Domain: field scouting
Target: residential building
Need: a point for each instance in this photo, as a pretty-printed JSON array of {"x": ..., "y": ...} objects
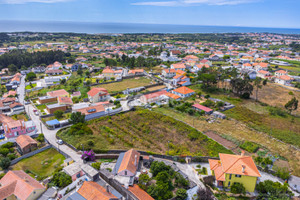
[
  {"x": 54, "y": 107},
  {"x": 200, "y": 108},
  {"x": 26, "y": 144},
  {"x": 54, "y": 72},
  {"x": 21, "y": 186},
  {"x": 74, "y": 170},
  {"x": 98, "y": 95},
  {"x": 154, "y": 97},
  {"x": 136, "y": 72},
  {"x": 181, "y": 80},
  {"x": 64, "y": 101},
  {"x": 175, "y": 52},
  {"x": 280, "y": 73},
  {"x": 183, "y": 92},
  {"x": 92, "y": 191},
  {"x": 284, "y": 80},
  {"x": 127, "y": 163},
  {"x": 232, "y": 169},
  {"x": 205, "y": 62},
  {"x": 16, "y": 80},
  {"x": 76, "y": 94},
  {"x": 10, "y": 93},
  {"x": 58, "y": 93},
  {"x": 179, "y": 66},
  {"x": 263, "y": 74},
  {"x": 139, "y": 193},
  {"x": 173, "y": 96},
  {"x": 92, "y": 112},
  {"x": 12, "y": 128},
  {"x": 169, "y": 73},
  {"x": 47, "y": 99}
]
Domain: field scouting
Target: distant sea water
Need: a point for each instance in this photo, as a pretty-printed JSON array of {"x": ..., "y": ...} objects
[{"x": 89, "y": 27}]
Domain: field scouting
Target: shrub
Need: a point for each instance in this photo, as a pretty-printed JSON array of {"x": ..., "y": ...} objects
[
  {"x": 181, "y": 194},
  {"x": 61, "y": 179},
  {"x": 90, "y": 143},
  {"x": 274, "y": 189},
  {"x": 237, "y": 188},
  {"x": 7, "y": 145},
  {"x": 283, "y": 173},
  {"x": 58, "y": 114},
  {"x": 249, "y": 146},
  {"x": 96, "y": 165},
  {"x": 4, "y": 151},
  {"x": 4, "y": 163},
  {"x": 277, "y": 111},
  {"x": 40, "y": 138},
  {"x": 204, "y": 171},
  {"x": 80, "y": 129}
]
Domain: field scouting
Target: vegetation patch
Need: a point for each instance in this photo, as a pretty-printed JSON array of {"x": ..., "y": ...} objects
[
  {"x": 144, "y": 130},
  {"x": 249, "y": 146}
]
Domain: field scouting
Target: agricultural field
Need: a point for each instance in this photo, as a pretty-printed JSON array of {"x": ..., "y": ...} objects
[
  {"x": 42, "y": 164},
  {"x": 144, "y": 130},
  {"x": 126, "y": 83}
]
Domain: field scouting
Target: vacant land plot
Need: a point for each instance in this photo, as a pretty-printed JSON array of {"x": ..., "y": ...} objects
[
  {"x": 148, "y": 131},
  {"x": 126, "y": 83},
  {"x": 275, "y": 95},
  {"x": 42, "y": 164},
  {"x": 238, "y": 131}
]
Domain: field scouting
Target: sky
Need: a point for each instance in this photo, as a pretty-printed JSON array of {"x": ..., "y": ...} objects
[{"x": 249, "y": 13}]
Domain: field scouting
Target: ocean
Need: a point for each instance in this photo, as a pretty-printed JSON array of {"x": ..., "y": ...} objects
[{"x": 89, "y": 27}]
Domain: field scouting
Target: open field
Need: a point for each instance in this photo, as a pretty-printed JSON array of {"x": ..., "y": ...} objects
[
  {"x": 148, "y": 131},
  {"x": 42, "y": 164},
  {"x": 276, "y": 95},
  {"x": 126, "y": 83},
  {"x": 238, "y": 131}
]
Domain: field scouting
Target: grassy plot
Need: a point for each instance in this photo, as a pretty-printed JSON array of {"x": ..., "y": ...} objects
[
  {"x": 42, "y": 164},
  {"x": 145, "y": 130},
  {"x": 239, "y": 131},
  {"x": 126, "y": 83},
  {"x": 28, "y": 87}
]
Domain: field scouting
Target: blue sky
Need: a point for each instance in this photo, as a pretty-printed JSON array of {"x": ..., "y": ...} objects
[{"x": 253, "y": 13}]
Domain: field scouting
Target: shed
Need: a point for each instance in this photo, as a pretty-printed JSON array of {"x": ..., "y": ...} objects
[
  {"x": 217, "y": 114},
  {"x": 53, "y": 123}
]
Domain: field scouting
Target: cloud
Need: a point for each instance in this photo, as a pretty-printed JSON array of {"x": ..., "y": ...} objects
[
  {"x": 193, "y": 2},
  {"x": 30, "y": 1}
]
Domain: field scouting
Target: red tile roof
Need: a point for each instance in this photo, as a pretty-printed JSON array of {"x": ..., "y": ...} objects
[
  {"x": 139, "y": 193},
  {"x": 65, "y": 100},
  {"x": 25, "y": 140},
  {"x": 92, "y": 109},
  {"x": 57, "y": 93},
  {"x": 95, "y": 91},
  {"x": 155, "y": 94},
  {"x": 184, "y": 90},
  {"x": 128, "y": 162},
  {"x": 18, "y": 183},
  {"x": 93, "y": 191},
  {"x": 206, "y": 109}
]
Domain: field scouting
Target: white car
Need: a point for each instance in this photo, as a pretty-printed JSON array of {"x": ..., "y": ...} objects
[{"x": 60, "y": 142}]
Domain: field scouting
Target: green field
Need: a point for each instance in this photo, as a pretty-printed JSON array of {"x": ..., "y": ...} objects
[
  {"x": 145, "y": 130},
  {"x": 28, "y": 87},
  {"x": 42, "y": 164},
  {"x": 126, "y": 83}
]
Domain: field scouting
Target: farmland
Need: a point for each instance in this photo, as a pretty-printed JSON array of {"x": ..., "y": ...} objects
[{"x": 145, "y": 130}]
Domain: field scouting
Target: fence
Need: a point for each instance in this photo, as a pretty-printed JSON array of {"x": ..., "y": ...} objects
[{"x": 30, "y": 154}]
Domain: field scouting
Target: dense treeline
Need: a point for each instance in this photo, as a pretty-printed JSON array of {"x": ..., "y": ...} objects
[
  {"x": 295, "y": 47},
  {"x": 21, "y": 58},
  {"x": 133, "y": 62}
]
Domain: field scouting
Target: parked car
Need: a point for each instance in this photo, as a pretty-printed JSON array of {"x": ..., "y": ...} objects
[
  {"x": 60, "y": 142},
  {"x": 36, "y": 112}
]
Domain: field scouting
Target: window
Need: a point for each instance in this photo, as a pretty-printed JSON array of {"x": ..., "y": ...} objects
[
  {"x": 125, "y": 173},
  {"x": 229, "y": 184},
  {"x": 229, "y": 176},
  {"x": 238, "y": 176},
  {"x": 78, "y": 175}
]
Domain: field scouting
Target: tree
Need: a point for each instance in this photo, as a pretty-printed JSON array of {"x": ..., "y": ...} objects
[
  {"x": 63, "y": 81},
  {"x": 4, "y": 163},
  {"x": 61, "y": 179},
  {"x": 12, "y": 68},
  {"x": 4, "y": 151},
  {"x": 241, "y": 87},
  {"x": 58, "y": 114},
  {"x": 273, "y": 190},
  {"x": 40, "y": 138},
  {"x": 77, "y": 117},
  {"x": 30, "y": 76},
  {"x": 143, "y": 181},
  {"x": 291, "y": 105},
  {"x": 258, "y": 83},
  {"x": 181, "y": 194}
]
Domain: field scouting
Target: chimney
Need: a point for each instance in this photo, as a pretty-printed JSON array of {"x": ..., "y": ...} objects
[
  {"x": 135, "y": 160},
  {"x": 107, "y": 188},
  {"x": 243, "y": 168},
  {"x": 243, "y": 153}
]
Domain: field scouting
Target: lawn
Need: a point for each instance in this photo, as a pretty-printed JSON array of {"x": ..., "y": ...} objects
[
  {"x": 126, "y": 83},
  {"x": 145, "y": 130},
  {"x": 28, "y": 87},
  {"x": 65, "y": 116},
  {"x": 42, "y": 164}
]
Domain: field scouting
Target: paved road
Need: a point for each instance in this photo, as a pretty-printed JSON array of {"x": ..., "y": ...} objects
[{"x": 49, "y": 134}]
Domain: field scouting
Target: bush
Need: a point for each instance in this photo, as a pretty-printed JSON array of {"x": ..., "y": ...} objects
[
  {"x": 61, "y": 179},
  {"x": 90, "y": 143},
  {"x": 96, "y": 165},
  {"x": 238, "y": 188},
  {"x": 249, "y": 146},
  {"x": 272, "y": 189},
  {"x": 7, "y": 145},
  {"x": 80, "y": 129},
  {"x": 58, "y": 114},
  {"x": 40, "y": 138},
  {"x": 4, "y": 151},
  {"x": 4, "y": 163},
  {"x": 181, "y": 194},
  {"x": 283, "y": 173},
  {"x": 277, "y": 111}
]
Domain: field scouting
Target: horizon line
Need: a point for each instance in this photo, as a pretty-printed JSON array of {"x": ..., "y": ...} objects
[{"x": 94, "y": 22}]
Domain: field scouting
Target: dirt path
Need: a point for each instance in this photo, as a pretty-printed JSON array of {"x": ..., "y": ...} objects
[{"x": 226, "y": 143}]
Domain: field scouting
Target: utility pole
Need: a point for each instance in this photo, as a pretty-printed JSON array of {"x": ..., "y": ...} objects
[{"x": 41, "y": 127}]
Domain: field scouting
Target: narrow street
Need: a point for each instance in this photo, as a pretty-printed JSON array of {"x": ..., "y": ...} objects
[{"x": 41, "y": 128}]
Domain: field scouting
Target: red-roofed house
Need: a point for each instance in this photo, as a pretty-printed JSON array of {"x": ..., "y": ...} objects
[
  {"x": 128, "y": 163},
  {"x": 183, "y": 92},
  {"x": 232, "y": 169},
  {"x": 64, "y": 101},
  {"x": 25, "y": 144},
  {"x": 284, "y": 80},
  {"x": 154, "y": 97},
  {"x": 263, "y": 74},
  {"x": 93, "y": 191},
  {"x": 19, "y": 185},
  {"x": 199, "y": 107},
  {"x": 98, "y": 95},
  {"x": 139, "y": 193},
  {"x": 181, "y": 80},
  {"x": 92, "y": 112},
  {"x": 58, "y": 93},
  {"x": 281, "y": 73},
  {"x": 207, "y": 62},
  {"x": 179, "y": 66},
  {"x": 169, "y": 73}
]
